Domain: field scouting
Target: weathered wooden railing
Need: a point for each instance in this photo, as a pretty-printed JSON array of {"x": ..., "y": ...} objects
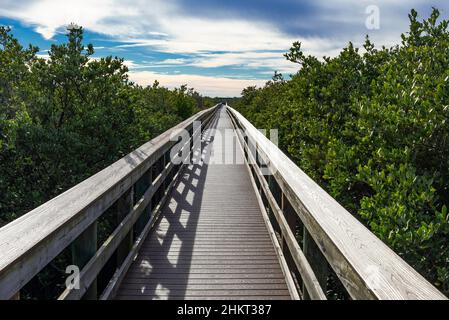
[
  {"x": 134, "y": 188},
  {"x": 316, "y": 232}
]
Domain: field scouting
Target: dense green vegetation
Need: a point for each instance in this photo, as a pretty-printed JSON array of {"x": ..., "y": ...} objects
[
  {"x": 64, "y": 118},
  {"x": 371, "y": 127}
]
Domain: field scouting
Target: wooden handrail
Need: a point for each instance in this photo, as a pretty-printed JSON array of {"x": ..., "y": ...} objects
[
  {"x": 366, "y": 266},
  {"x": 30, "y": 242}
]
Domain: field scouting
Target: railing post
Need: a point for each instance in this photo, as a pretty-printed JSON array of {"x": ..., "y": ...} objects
[
  {"x": 192, "y": 145},
  {"x": 164, "y": 164},
  {"x": 123, "y": 207},
  {"x": 290, "y": 216},
  {"x": 146, "y": 214},
  {"x": 246, "y": 147},
  {"x": 257, "y": 156},
  {"x": 257, "y": 166},
  {"x": 83, "y": 249},
  {"x": 316, "y": 260}
]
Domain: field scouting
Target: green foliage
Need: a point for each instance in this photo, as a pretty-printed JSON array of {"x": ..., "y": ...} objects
[
  {"x": 64, "y": 118},
  {"x": 372, "y": 129}
]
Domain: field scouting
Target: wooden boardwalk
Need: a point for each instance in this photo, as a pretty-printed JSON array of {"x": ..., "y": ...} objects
[{"x": 211, "y": 241}]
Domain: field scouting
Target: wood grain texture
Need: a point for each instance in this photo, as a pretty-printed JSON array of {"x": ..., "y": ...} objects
[
  {"x": 211, "y": 241},
  {"x": 365, "y": 265}
]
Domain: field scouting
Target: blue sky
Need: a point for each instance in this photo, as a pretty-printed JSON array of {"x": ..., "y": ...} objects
[{"x": 217, "y": 47}]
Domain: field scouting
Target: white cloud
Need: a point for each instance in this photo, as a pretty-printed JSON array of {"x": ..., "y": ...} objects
[
  {"x": 273, "y": 60},
  {"x": 43, "y": 56},
  {"x": 162, "y": 26},
  {"x": 130, "y": 64},
  {"x": 178, "y": 61},
  {"x": 110, "y": 17},
  {"x": 193, "y": 35},
  {"x": 206, "y": 85}
]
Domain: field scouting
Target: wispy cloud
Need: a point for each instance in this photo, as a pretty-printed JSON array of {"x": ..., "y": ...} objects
[
  {"x": 173, "y": 61},
  {"x": 109, "y": 17},
  {"x": 246, "y": 38}
]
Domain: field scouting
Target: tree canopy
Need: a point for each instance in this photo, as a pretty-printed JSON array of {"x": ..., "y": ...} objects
[
  {"x": 371, "y": 127},
  {"x": 65, "y": 117}
]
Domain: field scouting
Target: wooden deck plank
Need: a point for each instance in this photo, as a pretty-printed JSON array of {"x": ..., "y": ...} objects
[
  {"x": 211, "y": 241},
  {"x": 211, "y": 281},
  {"x": 182, "y": 277},
  {"x": 213, "y": 286},
  {"x": 201, "y": 297},
  {"x": 204, "y": 293}
]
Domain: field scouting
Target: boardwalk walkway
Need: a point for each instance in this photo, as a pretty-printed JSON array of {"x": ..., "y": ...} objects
[{"x": 211, "y": 241}]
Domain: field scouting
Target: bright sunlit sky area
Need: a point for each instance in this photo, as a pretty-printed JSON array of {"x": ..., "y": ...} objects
[{"x": 217, "y": 47}]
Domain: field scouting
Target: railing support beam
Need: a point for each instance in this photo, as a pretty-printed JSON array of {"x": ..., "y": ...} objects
[
  {"x": 124, "y": 207},
  {"x": 316, "y": 259},
  {"x": 84, "y": 248},
  {"x": 146, "y": 214}
]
